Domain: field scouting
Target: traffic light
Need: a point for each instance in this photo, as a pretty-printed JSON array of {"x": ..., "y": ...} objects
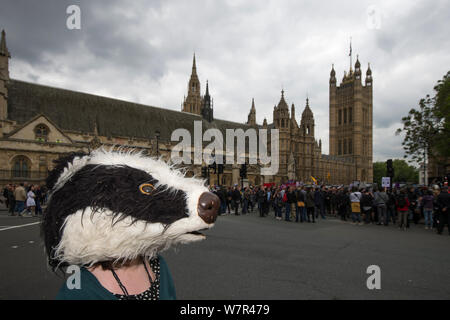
[
  {"x": 243, "y": 171},
  {"x": 213, "y": 166},
  {"x": 389, "y": 168},
  {"x": 204, "y": 172}
]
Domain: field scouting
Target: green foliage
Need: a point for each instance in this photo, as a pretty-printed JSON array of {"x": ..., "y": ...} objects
[
  {"x": 403, "y": 172},
  {"x": 379, "y": 171},
  {"x": 427, "y": 129},
  {"x": 442, "y": 113}
]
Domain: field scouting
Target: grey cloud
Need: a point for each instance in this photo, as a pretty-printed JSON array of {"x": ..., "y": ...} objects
[{"x": 142, "y": 51}]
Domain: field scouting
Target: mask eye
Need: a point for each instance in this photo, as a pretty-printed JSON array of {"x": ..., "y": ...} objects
[{"x": 146, "y": 188}]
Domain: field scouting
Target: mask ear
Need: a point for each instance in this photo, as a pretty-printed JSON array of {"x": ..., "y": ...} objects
[{"x": 60, "y": 164}]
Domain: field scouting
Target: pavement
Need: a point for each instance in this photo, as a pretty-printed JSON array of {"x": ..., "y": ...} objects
[{"x": 248, "y": 257}]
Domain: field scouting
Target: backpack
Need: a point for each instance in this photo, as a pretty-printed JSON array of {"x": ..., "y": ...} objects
[
  {"x": 401, "y": 201},
  {"x": 285, "y": 197}
]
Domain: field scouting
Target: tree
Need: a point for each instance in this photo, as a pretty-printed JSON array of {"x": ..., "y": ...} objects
[
  {"x": 420, "y": 129},
  {"x": 427, "y": 129},
  {"x": 403, "y": 172},
  {"x": 442, "y": 113},
  {"x": 379, "y": 171}
]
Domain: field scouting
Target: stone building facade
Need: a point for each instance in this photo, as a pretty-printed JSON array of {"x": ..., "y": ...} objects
[{"x": 40, "y": 123}]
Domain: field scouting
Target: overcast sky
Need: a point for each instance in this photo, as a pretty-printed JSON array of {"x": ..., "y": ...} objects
[{"x": 141, "y": 51}]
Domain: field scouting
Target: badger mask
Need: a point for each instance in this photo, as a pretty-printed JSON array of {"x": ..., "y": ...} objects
[{"x": 117, "y": 206}]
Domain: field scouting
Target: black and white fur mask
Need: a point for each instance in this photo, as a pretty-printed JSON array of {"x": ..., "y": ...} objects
[{"x": 117, "y": 206}]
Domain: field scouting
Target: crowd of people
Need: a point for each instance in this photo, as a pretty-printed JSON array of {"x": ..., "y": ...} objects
[
  {"x": 381, "y": 206},
  {"x": 24, "y": 200},
  {"x": 399, "y": 206}
]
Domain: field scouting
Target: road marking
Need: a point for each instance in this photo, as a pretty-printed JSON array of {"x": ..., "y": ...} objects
[{"x": 22, "y": 225}]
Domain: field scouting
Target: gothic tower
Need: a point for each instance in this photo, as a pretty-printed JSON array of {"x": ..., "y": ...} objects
[
  {"x": 193, "y": 102},
  {"x": 207, "y": 108},
  {"x": 308, "y": 143},
  {"x": 4, "y": 77},
  {"x": 282, "y": 121},
  {"x": 351, "y": 110},
  {"x": 251, "y": 120}
]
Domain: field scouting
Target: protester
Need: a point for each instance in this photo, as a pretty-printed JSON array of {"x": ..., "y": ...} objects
[
  {"x": 292, "y": 202},
  {"x": 366, "y": 205},
  {"x": 402, "y": 204},
  {"x": 355, "y": 200},
  {"x": 11, "y": 200},
  {"x": 310, "y": 205},
  {"x": 20, "y": 197},
  {"x": 381, "y": 200},
  {"x": 300, "y": 195},
  {"x": 427, "y": 204},
  {"x": 443, "y": 202},
  {"x": 319, "y": 202},
  {"x": 236, "y": 196},
  {"x": 31, "y": 203}
]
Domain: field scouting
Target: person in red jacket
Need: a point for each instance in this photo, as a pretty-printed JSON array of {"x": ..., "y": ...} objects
[{"x": 402, "y": 204}]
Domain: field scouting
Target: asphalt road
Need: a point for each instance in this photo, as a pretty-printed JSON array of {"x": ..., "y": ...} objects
[{"x": 248, "y": 257}]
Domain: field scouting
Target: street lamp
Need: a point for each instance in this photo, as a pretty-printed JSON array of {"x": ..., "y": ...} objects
[{"x": 157, "y": 135}]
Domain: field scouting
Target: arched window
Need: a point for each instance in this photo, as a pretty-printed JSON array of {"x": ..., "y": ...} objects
[
  {"x": 21, "y": 167},
  {"x": 41, "y": 132}
]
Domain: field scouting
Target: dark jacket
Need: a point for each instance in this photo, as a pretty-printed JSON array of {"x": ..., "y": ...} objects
[
  {"x": 236, "y": 195},
  {"x": 291, "y": 197},
  {"x": 319, "y": 198}
]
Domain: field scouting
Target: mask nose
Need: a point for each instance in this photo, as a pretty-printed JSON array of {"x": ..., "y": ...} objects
[{"x": 208, "y": 207}]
